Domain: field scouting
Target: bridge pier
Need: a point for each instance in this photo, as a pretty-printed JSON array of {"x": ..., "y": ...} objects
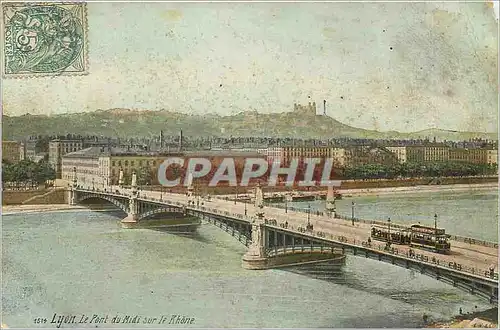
[
  {"x": 255, "y": 258},
  {"x": 71, "y": 196},
  {"x": 132, "y": 219}
]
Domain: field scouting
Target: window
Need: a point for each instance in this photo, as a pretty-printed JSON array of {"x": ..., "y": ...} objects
[
  {"x": 140, "y": 163},
  {"x": 113, "y": 162},
  {"x": 132, "y": 163},
  {"x": 126, "y": 163},
  {"x": 119, "y": 163}
]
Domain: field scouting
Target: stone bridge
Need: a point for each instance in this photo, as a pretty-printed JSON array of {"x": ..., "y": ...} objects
[{"x": 277, "y": 243}]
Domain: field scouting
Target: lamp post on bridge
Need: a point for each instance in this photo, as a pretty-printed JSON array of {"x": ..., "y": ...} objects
[
  {"x": 75, "y": 181},
  {"x": 286, "y": 204},
  {"x": 435, "y": 230},
  {"x": 93, "y": 183},
  {"x": 245, "y": 207},
  {"x": 389, "y": 231},
  {"x": 352, "y": 213},
  {"x": 308, "y": 215}
]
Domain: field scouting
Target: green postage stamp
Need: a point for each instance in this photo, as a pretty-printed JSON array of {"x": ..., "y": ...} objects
[{"x": 44, "y": 39}]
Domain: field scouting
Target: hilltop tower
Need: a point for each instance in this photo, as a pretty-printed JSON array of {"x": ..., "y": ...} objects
[{"x": 308, "y": 110}]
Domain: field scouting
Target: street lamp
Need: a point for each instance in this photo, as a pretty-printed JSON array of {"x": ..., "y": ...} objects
[
  {"x": 93, "y": 182},
  {"x": 245, "y": 207},
  {"x": 435, "y": 230},
  {"x": 389, "y": 227},
  {"x": 352, "y": 213},
  {"x": 236, "y": 194},
  {"x": 286, "y": 204},
  {"x": 308, "y": 214}
]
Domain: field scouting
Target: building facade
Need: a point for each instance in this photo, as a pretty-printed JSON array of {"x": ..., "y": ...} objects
[
  {"x": 399, "y": 152},
  {"x": 28, "y": 150},
  {"x": 11, "y": 151},
  {"x": 59, "y": 148},
  {"x": 475, "y": 156},
  {"x": 428, "y": 153},
  {"x": 362, "y": 155},
  {"x": 492, "y": 156}
]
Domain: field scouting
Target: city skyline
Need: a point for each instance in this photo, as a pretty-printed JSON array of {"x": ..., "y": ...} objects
[{"x": 409, "y": 74}]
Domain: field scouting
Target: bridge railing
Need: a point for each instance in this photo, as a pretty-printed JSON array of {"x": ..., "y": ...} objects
[
  {"x": 271, "y": 252},
  {"x": 359, "y": 243},
  {"x": 470, "y": 240},
  {"x": 381, "y": 248}
]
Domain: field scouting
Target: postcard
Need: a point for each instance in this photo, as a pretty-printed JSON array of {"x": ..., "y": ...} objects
[{"x": 249, "y": 164}]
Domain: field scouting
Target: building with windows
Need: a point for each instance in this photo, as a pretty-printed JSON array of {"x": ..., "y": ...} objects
[
  {"x": 399, "y": 152},
  {"x": 476, "y": 156},
  {"x": 323, "y": 152},
  {"x": 100, "y": 166},
  {"x": 434, "y": 152},
  {"x": 86, "y": 162},
  {"x": 145, "y": 164},
  {"x": 59, "y": 148},
  {"x": 361, "y": 155},
  {"x": 27, "y": 150},
  {"x": 492, "y": 156},
  {"x": 11, "y": 151},
  {"x": 216, "y": 158}
]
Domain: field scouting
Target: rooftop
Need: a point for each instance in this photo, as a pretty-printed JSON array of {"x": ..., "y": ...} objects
[{"x": 222, "y": 153}]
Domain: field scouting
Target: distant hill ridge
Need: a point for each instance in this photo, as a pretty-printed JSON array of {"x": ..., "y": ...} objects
[{"x": 134, "y": 123}]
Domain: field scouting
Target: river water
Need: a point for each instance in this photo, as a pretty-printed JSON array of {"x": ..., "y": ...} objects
[{"x": 82, "y": 262}]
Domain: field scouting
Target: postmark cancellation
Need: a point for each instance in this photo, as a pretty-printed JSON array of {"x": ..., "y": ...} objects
[{"x": 44, "y": 39}]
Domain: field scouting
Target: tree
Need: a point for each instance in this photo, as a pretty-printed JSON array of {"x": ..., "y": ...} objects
[
  {"x": 42, "y": 144},
  {"x": 144, "y": 176}
]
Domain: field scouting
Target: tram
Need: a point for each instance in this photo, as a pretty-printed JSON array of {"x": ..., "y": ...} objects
[
  {"x": 416, "y": 236},
  {"x": 397, "y": 235},
  {"x": 429, "y": 238}
]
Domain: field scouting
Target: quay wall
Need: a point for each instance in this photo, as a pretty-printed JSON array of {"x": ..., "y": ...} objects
[
  {"x": 346, "y": 185},
  {"x": 31, "y": 197}
]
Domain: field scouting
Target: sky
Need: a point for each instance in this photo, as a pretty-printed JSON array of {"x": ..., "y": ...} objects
[{"x": 383, "y": 66}]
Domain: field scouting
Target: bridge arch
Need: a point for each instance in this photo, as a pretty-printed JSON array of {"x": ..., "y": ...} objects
[
  {"x": 158, "y": 211},
  {"x": 237, "y": 228},
  {"x": 121, "y": 205}
]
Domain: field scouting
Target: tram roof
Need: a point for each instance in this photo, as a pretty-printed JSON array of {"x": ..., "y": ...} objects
[
  {"x": 395, "y": 228},
  {"x": 425, "y": 227}
]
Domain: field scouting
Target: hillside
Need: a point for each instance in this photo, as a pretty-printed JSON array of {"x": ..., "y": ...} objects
[{"x": 132, "y": 123}]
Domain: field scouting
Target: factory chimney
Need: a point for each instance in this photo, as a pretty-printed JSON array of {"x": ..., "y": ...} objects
[
  {"x": 180, "y": 141},
  {"x": 324, "y": 107}
]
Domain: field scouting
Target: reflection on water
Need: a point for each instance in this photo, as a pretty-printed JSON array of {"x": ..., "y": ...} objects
[{"x": 83, "y": 262}]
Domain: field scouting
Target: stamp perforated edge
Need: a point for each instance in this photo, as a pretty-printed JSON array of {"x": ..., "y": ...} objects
[{"x": 47, "y": 75}]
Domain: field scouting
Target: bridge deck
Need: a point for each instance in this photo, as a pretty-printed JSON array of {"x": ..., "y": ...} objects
[{"x": 471, "y": 257}]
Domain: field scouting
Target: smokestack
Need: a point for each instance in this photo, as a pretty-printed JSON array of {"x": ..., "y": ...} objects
[
  {"x": 180, "y": 141},
  {"x": 324, "y": 107}
]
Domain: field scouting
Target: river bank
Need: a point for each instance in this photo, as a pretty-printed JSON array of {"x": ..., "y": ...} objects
[
  {"x": 19, "y": 209},
  {"x": 419, "y": 189},
  {"x": 483, "y": 319}
]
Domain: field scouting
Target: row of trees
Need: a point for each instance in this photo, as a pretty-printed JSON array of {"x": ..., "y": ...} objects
[
  {"x": 26, "y": 173},
  {"x": 413, "y": 170},
  {"x": 367, "y": 171}
]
